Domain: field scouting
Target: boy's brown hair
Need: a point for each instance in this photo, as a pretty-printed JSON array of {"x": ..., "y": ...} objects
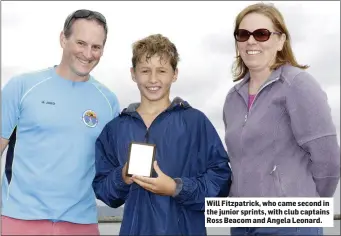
[{"x": 155, "y": 44}]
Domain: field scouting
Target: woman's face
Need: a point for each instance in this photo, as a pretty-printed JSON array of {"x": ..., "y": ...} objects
[{"x": 259, "y": 56}]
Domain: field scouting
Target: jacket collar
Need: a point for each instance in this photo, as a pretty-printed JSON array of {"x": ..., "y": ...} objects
[
  {"x": 177, "y": 103},
  {"x": 243, "y": 89},
  {"x": 273, "y": 76}
]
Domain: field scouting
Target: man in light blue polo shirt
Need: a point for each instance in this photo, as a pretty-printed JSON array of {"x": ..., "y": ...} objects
[{"x": 50, "y": 121}]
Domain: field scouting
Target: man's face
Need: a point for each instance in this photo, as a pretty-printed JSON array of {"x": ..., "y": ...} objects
[
  {"x": 154, "y": 78},
  {"x": 84, "y": 48}
]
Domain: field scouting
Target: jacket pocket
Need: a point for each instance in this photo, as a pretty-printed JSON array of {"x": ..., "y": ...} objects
[
  {"x": 277, "y": 181},
  {"x": 179, "y": 221},
  {"x": 133, "y": 187},
  {"x": 179, "y": 228}
]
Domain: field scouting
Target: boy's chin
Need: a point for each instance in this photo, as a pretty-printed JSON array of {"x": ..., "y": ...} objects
[{"x": 155, "y": 98}]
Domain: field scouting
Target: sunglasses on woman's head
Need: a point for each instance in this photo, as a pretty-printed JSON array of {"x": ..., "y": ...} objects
[{"x": 260, "y": 35}]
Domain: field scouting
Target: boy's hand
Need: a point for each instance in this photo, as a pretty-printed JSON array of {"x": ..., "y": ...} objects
[
  {"x": 126, "y": 179},
  {"x": 162, "y": 185}
]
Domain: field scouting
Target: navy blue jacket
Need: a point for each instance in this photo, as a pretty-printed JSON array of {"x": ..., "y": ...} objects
[{"x": 187, "y": 147}]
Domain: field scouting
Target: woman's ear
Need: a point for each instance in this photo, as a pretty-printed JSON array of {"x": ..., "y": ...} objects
[{"x": 282, "y": 40}]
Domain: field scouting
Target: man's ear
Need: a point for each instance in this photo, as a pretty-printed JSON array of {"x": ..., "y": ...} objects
[
  {"x": 132, "y": 72},
  {"x": 175, "y": 77},
  {"x": 62, "y": 39}
]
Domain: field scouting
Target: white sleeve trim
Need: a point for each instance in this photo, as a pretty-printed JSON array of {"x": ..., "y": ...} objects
[
  {"x": 28, "y": 91},
  {"x": 105, "y": 97}
]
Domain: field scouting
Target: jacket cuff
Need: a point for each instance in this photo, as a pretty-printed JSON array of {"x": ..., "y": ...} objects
[
  {"x": 184, "y": 189},
  {"x": 117, "y": 177},
  {"x": 178, "y": 187},
  {"x": 326, "y": 187}
]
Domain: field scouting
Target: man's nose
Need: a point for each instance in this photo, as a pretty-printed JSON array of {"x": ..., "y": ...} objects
[{"x": 88, "y": 53}]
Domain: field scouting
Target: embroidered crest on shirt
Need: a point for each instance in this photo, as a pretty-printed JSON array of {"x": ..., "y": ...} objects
[{"x": 90, "y": 118}]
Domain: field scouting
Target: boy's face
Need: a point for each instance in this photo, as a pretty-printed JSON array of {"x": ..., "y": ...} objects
[{"x": 154, "y": 78}]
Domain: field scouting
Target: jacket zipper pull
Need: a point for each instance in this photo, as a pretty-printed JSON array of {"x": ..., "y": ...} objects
[
  {"x": 245, "y": 119},
  {"x": 273, "y": 170},
  {"x": 146, "y": 136}
]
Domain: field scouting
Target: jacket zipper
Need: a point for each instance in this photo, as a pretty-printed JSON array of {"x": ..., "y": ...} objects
[
  {"x": 245, "y": 119},
  {"x": 146, "y": 136},
  {"x": 248, "y": 113}
]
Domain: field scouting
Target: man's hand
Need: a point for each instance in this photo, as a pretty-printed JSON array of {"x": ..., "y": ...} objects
[
  {"x": 126, "y": 179},
  {"x": 162, "y": 185}
]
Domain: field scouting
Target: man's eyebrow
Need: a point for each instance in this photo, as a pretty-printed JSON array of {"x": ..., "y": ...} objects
[
  {"x": 82, "y": 41},
  {"x": 97, "y": 45}
]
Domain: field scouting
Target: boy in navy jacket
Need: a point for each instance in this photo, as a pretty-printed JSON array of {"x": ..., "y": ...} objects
[{"x": 190, "y": 161}]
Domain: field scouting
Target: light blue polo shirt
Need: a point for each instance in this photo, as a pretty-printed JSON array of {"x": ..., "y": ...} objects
[{"x": 50, "y": 159}]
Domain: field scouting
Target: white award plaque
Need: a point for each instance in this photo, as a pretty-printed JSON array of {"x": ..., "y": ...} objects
[{"x": 140, "y": 159}]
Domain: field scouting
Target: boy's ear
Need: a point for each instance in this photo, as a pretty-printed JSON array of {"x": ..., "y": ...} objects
[
  {"x": 175, "y": 77},
  {"x": 132, "y": 72}
]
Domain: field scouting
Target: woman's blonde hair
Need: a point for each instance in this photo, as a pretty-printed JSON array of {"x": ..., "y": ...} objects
[{"x": 284, "y": 56}]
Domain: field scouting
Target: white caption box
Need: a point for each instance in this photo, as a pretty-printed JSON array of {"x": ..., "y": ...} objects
[{"x": 269, "y": 212}]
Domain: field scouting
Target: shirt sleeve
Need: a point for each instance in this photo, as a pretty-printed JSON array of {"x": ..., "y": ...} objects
[
  {"x": 315, "y": 132},
  {"x": 215, "y": 181},
  {"x": 11, "y": 95},
  {"x": 115, "y": 106},
  {"x": 309, "y": 110},
  {"x": 108, "y": 183}
]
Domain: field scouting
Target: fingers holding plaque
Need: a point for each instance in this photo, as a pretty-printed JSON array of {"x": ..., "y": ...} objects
[{"x": 140, "y": 159}]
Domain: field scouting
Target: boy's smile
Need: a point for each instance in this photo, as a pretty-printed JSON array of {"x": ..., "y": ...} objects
[{"x": 154, "y": 78}]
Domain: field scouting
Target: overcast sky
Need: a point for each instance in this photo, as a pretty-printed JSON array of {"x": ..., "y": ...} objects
[{"x": 202, "y": 32}]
